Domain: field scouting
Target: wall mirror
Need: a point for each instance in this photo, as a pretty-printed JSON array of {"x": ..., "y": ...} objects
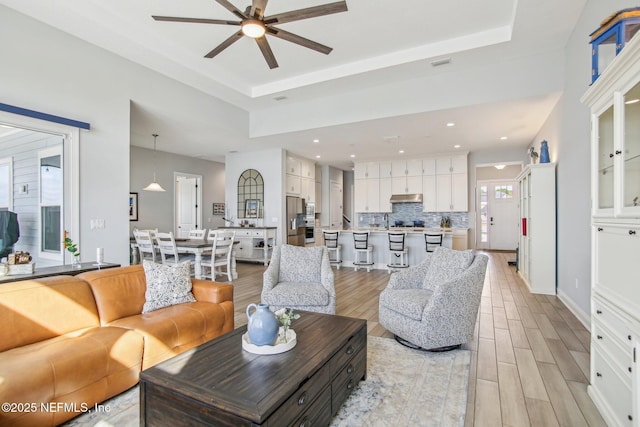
[{"x": 250, "y": 194}]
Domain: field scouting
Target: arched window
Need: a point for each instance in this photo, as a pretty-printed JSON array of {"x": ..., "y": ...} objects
[{"x": 250, "y": 194}]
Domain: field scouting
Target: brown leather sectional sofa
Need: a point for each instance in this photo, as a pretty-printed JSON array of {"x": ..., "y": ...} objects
[{"x": 67, "y": 343}]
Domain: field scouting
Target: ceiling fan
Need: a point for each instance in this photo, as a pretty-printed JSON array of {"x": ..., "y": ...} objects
[{"x": 254, "y": 24}]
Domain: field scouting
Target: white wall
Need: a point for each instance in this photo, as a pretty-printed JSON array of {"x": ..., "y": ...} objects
[
  {"x": 156, "y": 209},
  {"x": 567, "y": 131},
  {"x": 49, "y": 71},
  {"x": 271, "y": 165}
]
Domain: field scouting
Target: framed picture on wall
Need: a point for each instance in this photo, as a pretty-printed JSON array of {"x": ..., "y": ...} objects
[
  {"x": 218, "y": 208},
  {"x": 133, "y": 206},
  {"x": 251, "y": 207}
]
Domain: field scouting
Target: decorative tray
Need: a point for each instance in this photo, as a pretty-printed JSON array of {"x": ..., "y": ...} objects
[{"x": 280, "y": 347}]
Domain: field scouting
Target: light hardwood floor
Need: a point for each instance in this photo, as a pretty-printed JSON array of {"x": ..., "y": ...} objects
[{"x": 530, "y": 355}]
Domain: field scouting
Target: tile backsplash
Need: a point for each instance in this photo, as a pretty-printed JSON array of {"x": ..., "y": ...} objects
[{"x": 409, "y": 212}]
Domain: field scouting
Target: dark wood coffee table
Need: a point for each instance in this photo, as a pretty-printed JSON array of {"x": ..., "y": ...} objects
[{"x": 218, "y": 383}]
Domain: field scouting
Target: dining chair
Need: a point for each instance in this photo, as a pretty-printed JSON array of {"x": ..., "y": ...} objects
[
  {"x": 221, "y": 248},
  {"x": 144, "y": 242},
  {"x": 198, "y": 234},
  {"x": 168, "y": 250}
]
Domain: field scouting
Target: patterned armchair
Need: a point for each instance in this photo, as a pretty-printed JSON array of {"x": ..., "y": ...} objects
[
  {"x": 434, "y": 305},
  {"x": 300, "y": 278}
]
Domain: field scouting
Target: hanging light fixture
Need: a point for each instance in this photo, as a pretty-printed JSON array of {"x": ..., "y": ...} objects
[{"x": 154, "y": 186}]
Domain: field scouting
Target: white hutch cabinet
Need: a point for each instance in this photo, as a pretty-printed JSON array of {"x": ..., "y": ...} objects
[
  {"x": 615, "y": 282},
  {"x": 537, "y": 241}
]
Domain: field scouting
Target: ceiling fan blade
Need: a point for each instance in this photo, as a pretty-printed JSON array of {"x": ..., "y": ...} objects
[
  {"x": 258, "y": 7},
  {"x": 231, "y": 8},
  {"x": 225, "y": 44},
  {"x": 293, "y": 38},
  {"x": 263, "y": 44},
  {"x": 309, "y": 12},
  {"x": 195, "y": 20}
]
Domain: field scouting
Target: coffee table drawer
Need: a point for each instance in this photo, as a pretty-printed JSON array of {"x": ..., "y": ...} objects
[
  {"x": 356, "y": 343},
  {"x": 302, "y": 399},
  {"x": 318, "y": 414},
  {"x": 344, "y": 383}
]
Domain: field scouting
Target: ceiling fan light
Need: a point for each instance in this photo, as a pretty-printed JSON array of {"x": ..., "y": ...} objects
[{"x": 253, "y": 28}]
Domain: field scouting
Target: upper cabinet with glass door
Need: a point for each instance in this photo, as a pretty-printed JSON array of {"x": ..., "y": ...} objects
[{"x": 614, "y": 100}]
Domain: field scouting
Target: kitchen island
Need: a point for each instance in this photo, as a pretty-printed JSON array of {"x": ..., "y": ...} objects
[{"x": 378, "y": 238}]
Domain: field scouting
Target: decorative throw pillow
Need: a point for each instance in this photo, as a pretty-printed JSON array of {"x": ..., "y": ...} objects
[
  {"x": 300, "y": 264},
  {"x": 446, "y": 264},
  {"x": 166, "y": 285}
]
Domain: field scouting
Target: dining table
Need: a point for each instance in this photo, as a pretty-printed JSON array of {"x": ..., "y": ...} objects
[{"x": 197, "y": 247}]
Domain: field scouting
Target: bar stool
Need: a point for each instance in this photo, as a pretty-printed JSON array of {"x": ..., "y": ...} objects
[
  {"x": 333, "y": 247},
  {"x": 361, "y": 246},
  {"x": 431, "y": 241},
  {"x": 398, "y": 251}
]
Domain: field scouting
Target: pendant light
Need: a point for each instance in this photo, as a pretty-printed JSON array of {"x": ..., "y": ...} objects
[{"x": 154, "y": 186}]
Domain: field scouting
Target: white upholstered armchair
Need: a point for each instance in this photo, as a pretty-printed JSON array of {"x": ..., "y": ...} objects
[
  {"x": 434, "y": 305},
  {"x": 300, "y": 278}
]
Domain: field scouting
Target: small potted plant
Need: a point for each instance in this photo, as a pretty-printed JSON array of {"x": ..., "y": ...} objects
[
  {"x": 72, "y": 247},
  {"x": 286, "y": 316}
]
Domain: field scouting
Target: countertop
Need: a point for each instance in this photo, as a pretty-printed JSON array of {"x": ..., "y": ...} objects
[
  {"x": 409, "y": 230},
  {"x": 237, "y": 227}
]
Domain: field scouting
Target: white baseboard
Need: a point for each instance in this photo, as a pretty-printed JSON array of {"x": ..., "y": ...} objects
[{"x": 584, "y": 318}]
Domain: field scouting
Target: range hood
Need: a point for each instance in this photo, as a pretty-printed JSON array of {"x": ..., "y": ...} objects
[{"x": 406, "y": 198}]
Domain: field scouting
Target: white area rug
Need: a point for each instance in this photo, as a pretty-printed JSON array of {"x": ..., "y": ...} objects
[{"x": 404, "y": 387}]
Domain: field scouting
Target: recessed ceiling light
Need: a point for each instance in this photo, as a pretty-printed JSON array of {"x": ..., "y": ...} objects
[
  {"x": 503, "y": 138},
  {"x": 401, "y": 151},
  {"x": 316, "y": 141},
  {"x": 632, "y": 101},
  {"x": 318, "y": 156},
  {"x": 450, "y": 124},
  {"x": 456, "y": 146},
  {"x": 352, "y": 156}
]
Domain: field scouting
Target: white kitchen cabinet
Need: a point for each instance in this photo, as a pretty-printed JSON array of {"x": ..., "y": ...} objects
[
  {"x": 429, "y": 166},
  {"x": 615, "y": 238},
  {"x": 451, "y": 183},
  {"x": 294, "y": 185},
  {"x": 406, "y": 185},
  {"x": 537, "y": 245},
  {"x": 401, "y": 168},
  {"x": 429, "y": 191},
  {"x": 308, "y": 189},
  {"x": 367, "y": 195},
  {"x": 307, "y": 169},
  {"x": 294, "y": 166},
  {"x": 366, "y": 170},
  {"x": 385, "y": 170},
  {"x": 385, "y": 193},
  {"x": 451, "y": 164}
]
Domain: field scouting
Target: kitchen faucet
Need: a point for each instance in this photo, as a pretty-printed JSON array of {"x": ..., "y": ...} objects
[{"x": 386, "y": 219}]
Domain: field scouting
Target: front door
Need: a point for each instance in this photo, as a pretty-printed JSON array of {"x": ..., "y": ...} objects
[
  {"x": 188, "y": 195},
  {"x": 498, "y": 215}
]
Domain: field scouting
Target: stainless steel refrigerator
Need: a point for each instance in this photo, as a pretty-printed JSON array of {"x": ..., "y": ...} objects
[{"x": 295, "y": 221}]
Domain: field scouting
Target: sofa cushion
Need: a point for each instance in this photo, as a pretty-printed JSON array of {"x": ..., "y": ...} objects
[
  {"x": 167, "y": 285},
  {"x": 300, "y": 264},
  {"x": 302, "y": 293},
  {"x": 408, "y": 302},
  {"x": 83, "y": 367},
  {"x": 35, "y": 310},
  {"x": 446, "y": 264},
  {"x": 119, "y": 292},
  {"x": 172, "y": 330}
]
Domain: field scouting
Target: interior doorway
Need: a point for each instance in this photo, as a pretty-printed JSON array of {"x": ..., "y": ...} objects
[
  {"x": 497, "y": 219},
  {"x": 188, "y": 203}
]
